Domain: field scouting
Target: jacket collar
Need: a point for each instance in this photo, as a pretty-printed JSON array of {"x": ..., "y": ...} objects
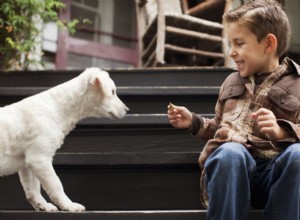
[{"x": 294, "y": 65}]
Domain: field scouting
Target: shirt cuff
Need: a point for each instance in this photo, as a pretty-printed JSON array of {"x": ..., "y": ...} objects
[
  {"x": 197, "y": 123},
  {"x": 287, "y": 126}
]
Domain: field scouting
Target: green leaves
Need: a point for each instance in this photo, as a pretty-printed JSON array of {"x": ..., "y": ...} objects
[{"x": 18, "y": 28}]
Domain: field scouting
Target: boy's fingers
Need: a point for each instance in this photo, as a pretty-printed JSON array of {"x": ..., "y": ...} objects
[
  {"x": 261, "y": 111},
  {"x": 253, "y": 115},
  {"x": 173, "y": 112},
  {"x": 171, "y": 106}
]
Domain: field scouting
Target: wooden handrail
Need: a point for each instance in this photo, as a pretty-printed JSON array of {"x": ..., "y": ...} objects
[
  {"x": 194, "y": 34},
  {"x": 194, "y": 51}
]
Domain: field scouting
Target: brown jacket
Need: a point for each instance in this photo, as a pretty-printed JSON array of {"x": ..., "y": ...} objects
[{"x": 278, "y": 91}]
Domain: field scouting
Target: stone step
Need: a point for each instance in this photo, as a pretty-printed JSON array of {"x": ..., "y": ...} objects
[{"x": 114, "y": 215}]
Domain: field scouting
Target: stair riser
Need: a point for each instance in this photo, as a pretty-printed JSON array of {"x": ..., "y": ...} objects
[
  {"x": 151, "y": 104},
  {"x": 117, "y": 189},
  {"x": 130, "y": 77}
]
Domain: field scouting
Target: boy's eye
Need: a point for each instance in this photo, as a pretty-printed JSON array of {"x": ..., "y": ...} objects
[
  {"x": 236, "y": 44},
  {"x": 239, "y": 43}
]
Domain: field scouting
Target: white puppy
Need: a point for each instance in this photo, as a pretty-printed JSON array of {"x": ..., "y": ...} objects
[{"x": 34, "y": 128}]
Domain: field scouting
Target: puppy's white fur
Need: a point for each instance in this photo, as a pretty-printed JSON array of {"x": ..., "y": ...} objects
[{"x": 34, "y": 128}]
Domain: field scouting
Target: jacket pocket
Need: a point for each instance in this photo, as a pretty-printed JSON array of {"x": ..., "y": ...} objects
[
  {"x": 285, "y": 105},
  {"x": 230, "y": 100},
  {"x": 231, "y": 92}
]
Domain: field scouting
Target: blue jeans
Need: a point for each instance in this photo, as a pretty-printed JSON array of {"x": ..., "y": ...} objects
[{"x": 235, "y": 181}]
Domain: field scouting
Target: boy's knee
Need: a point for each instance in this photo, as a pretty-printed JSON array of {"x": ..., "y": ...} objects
[
  {"x": 291, "y": 157},
  {"x": 231, "y": 150},
  {"x": 228, "y": 154}
]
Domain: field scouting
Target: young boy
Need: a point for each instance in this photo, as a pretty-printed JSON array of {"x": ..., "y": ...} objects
[{"x": 252, "y": 155}]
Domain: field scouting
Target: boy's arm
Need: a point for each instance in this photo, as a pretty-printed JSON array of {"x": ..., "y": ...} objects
[
  {"x": 206, "y": 127},
  {"x": 275, "y": 129}
]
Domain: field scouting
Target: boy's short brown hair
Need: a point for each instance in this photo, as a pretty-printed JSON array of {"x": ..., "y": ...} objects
[{"x": 262, "y": 18}]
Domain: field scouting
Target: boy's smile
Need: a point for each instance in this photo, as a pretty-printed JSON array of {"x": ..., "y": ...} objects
[{"x": 249, "y": 55}]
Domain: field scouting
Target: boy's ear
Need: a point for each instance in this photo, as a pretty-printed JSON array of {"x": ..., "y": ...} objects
[{"x": 271, "y": 43}]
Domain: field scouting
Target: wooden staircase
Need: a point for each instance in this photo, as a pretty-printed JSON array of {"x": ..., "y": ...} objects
[{"x": 135, "y": 168}]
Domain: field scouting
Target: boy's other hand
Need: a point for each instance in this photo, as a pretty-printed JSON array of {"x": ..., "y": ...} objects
[
  {"x": 268, "y": 125},
  {"x": 179, "y": 116}
]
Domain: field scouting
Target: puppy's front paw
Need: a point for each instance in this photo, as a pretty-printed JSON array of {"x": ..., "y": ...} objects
[
  {"x": 74, "y": 207},
  {"x": 47, "y": 207}
]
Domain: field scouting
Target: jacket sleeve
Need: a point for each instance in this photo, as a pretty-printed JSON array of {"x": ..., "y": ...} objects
[
  {"x": 206, "y": 127},
  {"x": 292, "y": 129}
]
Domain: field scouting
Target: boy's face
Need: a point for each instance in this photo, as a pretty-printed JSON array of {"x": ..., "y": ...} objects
[{"x": 248, "y": 54}]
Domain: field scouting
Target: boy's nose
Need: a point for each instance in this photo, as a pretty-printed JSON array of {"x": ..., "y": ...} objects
[{"x": 232, "y": 52}]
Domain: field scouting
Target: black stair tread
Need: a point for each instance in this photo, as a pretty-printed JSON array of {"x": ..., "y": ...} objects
[
  {"x": 114, "y": 215},
  {"x": 122, "y": 91},
  {"x": 106, "y": 215},
  {"x": 135, "y": 140},
  {"x": 123, "y": 77},
  {"x": 127, "y": 159},
  {"x": 145, "y": 120},
  {"x": 151, "y": 104}
]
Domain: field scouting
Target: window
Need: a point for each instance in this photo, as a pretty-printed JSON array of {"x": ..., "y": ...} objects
[{"x": 109, "y": 41}]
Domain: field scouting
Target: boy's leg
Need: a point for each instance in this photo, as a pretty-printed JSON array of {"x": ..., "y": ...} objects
[
  {"x": 284, "y": 193},
  {"x": 228, "y": 173}
]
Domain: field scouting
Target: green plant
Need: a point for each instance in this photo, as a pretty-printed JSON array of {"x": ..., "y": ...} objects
[{"x": 19, "y": 33}]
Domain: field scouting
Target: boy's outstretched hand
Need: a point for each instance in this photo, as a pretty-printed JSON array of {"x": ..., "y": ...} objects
[
  {"x": 179, "y": 116},
  {"x": 268, "y": 126}
]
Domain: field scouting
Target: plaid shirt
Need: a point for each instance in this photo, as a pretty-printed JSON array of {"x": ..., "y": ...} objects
[{"x": 278, "y": 91}]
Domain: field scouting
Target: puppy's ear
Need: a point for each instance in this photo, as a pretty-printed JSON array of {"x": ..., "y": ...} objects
[{"x": 96, "y": 83}]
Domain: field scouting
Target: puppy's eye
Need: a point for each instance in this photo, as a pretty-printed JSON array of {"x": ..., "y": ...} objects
[{"x": 113, "y": 92}]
